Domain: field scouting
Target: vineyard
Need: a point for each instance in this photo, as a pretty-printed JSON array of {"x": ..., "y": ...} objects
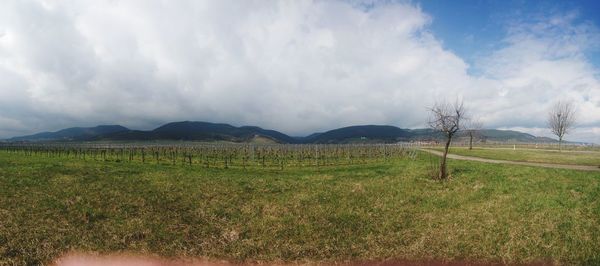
[{"x": 221, "y": 155}]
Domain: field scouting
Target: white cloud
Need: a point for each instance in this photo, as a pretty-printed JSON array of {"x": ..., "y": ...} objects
[
  {"x": 295, "y": 66},
  {"x": 543, "y": 62}
]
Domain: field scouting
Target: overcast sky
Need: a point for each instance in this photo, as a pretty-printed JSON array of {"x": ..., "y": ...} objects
[{"x": 293, "y": 66}]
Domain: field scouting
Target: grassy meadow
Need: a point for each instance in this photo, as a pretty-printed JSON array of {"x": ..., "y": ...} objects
[
  {"x": 379, "y": 211},
  {"x": 531, "y": 155}
]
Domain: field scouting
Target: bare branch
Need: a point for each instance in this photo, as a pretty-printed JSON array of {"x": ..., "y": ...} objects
[
  {"x": 561, "y": 119},
  {"x": 448, "y": 119},
  {"x": 473, "y": 128}
]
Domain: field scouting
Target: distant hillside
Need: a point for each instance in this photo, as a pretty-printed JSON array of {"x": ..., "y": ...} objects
[
  {"x": 276, "y": 135},
  {"x": 74, "y": 133},
  {"x": 308, "y": 139},
  {"x": 367, "y": 134},
  {"x": 205, "y": 131},
  {"x": 484, "y": 134},
  {"x": 511, "y": 135},
  {"x": 201, "y": 131},
  {"x": 390, "y": 134},
  {"x": 425, "y": 134}
]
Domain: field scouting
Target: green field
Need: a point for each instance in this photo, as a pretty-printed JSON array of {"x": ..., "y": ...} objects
[
  {"x": 379, "y": 211},
  {"x": 530, "y": 146},
  {"x": 531, "y": 155}
]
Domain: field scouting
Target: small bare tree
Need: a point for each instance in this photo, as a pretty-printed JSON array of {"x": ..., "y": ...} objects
[
  {"x": 473, "y": 129},
  {"x": 447, "y": 119},
  {"x": 561, "y": 120}
]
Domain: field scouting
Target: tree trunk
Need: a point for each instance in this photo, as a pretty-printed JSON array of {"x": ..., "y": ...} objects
[
  {"x": 443, "y": 168},
  {"x": 470, "y": 140},
  {"x": 559, "y": 144}
]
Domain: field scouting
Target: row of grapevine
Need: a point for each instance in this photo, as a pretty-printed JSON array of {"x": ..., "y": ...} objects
[{"x": 220, "y": 155}]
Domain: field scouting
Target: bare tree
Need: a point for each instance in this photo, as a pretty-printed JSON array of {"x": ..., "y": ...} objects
[
  {"x": 473, "y": 129},
  {"x": 446, "y": 118},
  {"x": 561, "y": 120}
]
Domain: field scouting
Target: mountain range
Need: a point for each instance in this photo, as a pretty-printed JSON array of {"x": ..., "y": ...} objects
[{"x": 205, "y": 131}]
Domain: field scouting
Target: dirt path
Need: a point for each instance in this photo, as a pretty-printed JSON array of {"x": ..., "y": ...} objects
[{"x": 546, "y": 165}]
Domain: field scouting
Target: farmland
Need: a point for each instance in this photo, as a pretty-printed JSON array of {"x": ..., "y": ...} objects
[
  {"x": 287, "y": 133},
  {"x": 341, "y": 203},
  {"x": 222, "y": 155},
  {"x": 575, "y": 157}
]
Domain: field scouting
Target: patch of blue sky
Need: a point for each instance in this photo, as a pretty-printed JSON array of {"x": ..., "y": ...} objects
[{"x": 475, "y": 28}]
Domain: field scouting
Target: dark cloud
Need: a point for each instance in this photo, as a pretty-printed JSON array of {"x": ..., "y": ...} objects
[{"x": 297, "y": 66}]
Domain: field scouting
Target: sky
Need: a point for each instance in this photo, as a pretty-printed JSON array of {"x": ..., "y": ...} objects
[{"x": 296, "y": 66}]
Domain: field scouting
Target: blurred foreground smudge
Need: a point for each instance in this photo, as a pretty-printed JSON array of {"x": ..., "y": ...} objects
[{"x": 82, "y": 259}]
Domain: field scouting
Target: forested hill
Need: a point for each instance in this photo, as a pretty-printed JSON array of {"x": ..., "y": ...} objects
[
  {"x": 205, "y": 131},
  {"x": 72, "y": 134}
]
